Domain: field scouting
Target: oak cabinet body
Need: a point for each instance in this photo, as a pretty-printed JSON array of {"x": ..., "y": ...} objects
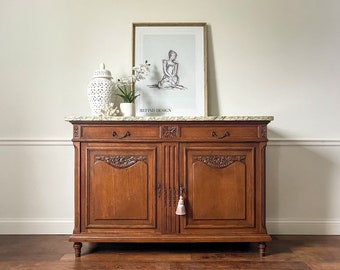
[{"x": 128, "y": 175}]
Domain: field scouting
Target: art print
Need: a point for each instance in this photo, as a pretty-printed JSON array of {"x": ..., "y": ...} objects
[{"x": 176, "y": 85}]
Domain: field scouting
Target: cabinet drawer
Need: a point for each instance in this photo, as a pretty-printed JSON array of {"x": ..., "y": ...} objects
[
  {"x": 120, "y": 132},
  {"x": 213, "y": 133}
]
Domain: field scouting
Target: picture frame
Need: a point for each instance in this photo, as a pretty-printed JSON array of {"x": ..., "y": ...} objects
[{"x": 177, "y": 54}]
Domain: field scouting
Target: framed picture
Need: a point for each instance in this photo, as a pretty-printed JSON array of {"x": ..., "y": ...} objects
[{"x": 177, "y": 54}]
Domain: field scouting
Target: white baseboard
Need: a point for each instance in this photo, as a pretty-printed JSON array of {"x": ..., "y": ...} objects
[
  {"x": 36, "y": 226},
  {"x": 65, "y": 226},
  {"x": 307, "y": 227}
]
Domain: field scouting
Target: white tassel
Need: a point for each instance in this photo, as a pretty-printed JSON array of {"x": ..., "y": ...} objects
[{"x": 180, "y": 211}]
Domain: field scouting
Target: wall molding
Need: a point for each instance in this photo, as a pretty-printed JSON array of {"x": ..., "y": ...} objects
[
  {"x": 65, "y": 226},
  {"x": 36, "y": 225},
  {"x": 35, "y": 142},
  {"x": 68, "y": 142},
  {"x": 303, "y": 142},
  {"x": 310, "y": 227}
]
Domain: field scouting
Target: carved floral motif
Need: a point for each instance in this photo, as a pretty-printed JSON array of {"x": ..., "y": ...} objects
[
  {"x": 263, "y": 131},
  {"x": 169, "y": 131},
  {"x": 219, "y": 161},
  {"x": 120, "y": 161},
  {"x": 75, "y": 131}
]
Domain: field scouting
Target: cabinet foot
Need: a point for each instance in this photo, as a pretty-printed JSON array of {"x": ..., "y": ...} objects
[
  {"x": 77, "y": 248},
  {"x": 262, "y": 248}
]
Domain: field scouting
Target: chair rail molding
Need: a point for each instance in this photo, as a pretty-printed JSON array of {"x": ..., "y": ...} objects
[{"x": 35, "y": 142}]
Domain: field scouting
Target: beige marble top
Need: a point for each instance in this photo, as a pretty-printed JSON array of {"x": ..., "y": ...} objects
[{"x": 169, "y": 118}]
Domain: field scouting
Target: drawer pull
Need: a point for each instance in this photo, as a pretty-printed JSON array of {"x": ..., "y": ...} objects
[
  {"x": 115, "y": 134},
  {"x": 214, "y": 134}
]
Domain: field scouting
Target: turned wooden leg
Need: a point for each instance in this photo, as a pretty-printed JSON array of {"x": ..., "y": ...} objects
[
  {"x": 77, "y": 248},
  {"x": 262, "y": 248}
]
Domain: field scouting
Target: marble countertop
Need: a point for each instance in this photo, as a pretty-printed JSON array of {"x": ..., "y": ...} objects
[{"x": 168, "y": 118}]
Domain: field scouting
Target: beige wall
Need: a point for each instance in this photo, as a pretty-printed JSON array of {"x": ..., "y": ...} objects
[{"x": 266, "y": 57}]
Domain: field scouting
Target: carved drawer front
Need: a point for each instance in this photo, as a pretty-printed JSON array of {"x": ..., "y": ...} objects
[
  {"x": 120, "y": 133},
  {"x": 221, "y": 133}
]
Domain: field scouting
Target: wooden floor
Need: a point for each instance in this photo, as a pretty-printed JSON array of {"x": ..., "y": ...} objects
[{"x": 55, "y": 252}]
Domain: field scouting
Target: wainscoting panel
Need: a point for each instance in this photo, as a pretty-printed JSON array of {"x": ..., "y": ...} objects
[
  {"x": 303, "y": 186},
  {"x": 36, "y": 194},
  {"x": 36, "y": 178}
]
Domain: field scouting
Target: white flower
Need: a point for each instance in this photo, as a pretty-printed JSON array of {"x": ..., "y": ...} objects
[
  {"x": 123, "y": 81},
  {"x": 140, "y": 72},
  {"x": 126, "y": 85}
]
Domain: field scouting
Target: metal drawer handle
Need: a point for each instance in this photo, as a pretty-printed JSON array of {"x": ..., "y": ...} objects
[
  {"x": 115, "y": 134},
  {"x": 214, "y": 134}
]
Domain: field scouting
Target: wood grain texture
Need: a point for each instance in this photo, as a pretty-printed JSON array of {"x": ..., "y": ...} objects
[{"x": 40, "y": 252}]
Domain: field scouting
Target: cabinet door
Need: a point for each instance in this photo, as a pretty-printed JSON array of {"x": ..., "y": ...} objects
[
  {"x": 119, "y": 188},
  {"x": 219, "y": 188}
]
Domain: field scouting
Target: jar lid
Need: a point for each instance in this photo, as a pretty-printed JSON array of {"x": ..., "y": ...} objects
[{"x": 102, "y": 72}]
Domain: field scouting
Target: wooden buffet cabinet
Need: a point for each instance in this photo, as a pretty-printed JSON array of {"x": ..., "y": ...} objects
[{"x": 129, "y": 173}]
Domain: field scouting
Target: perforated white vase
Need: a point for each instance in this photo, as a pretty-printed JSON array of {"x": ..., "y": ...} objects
[{"x": 99, "y": 90}]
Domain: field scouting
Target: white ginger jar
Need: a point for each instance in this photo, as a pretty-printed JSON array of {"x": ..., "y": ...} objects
[{"x": 99, "y": 90}]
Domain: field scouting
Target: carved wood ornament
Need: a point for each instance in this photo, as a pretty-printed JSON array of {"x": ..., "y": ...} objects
[
  {"x": 76, "y": 131},
  {"x": 120, "y": 161},
  {"x": 169, "y": 131},
  {"x": 263, "y": 131},
  {"x": 219, "y": 161}
]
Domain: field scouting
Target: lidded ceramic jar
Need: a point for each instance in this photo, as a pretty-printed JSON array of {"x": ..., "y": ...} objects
[{"x": 99, "y": 90}]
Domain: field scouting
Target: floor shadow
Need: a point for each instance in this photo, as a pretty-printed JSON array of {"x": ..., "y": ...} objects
[{"x": 170, "y": 247}]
